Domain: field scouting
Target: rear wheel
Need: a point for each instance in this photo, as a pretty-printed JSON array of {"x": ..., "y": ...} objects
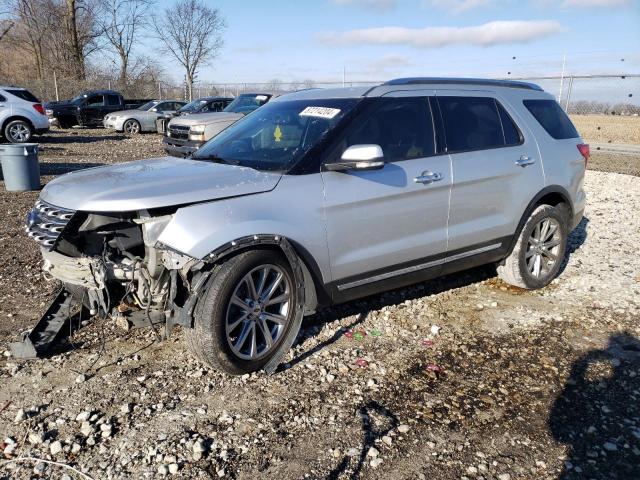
[
  {"x": 18, "y": 131},
  {"x": 537, "y": 256},
  {"x": 245, "y": 312},
  {"x": 131, "y": 127}
]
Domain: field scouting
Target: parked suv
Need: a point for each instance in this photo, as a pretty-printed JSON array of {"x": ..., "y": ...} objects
[
  {"x": 319, "y": 197},
  {"x": 185, "y": 134},
  {"x": 21, "y": 115}
]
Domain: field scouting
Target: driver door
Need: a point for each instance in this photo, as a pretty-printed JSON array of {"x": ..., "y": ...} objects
[
  {"x": 93, "y": 110},
  {"x": 389, "y": 226}
]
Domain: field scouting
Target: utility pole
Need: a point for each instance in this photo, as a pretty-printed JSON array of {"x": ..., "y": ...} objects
[
  {"x": 344, "y": 76},
  {"x": 55, "y": 85},
  {"x": 564, "y": 62}
]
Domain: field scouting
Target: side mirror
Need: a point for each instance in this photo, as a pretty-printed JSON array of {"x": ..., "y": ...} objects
[
  {"x": 154, "y": 109},
  {"x": 359, "y": 157}
]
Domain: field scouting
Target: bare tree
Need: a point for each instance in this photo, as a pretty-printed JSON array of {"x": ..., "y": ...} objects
[
  {"x": 121, "y": 23},
  {"x": 6, "y": 20},
  {"x": 71, "y": 23},
  {"x": 191, "y": 32}
]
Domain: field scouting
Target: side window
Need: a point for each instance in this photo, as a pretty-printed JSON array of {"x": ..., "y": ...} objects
[
  {"x": 113, "y": 100},
  {"x": 552, "y": 118},
  {"x": 95, "y": 101},
  {"x": 164, "y": 107},
  {"x": 512, "y": 135},
  {"x": 471, "y": 123},
  {"x": 403, "y": 127}
]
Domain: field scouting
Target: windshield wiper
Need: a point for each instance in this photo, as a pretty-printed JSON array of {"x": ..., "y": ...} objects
[{"x": 214, "y": 158}]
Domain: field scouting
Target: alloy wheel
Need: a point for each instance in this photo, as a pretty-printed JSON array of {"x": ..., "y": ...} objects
[
  {"x": 258, "y": 312},
  {"x": 19, "y": 133},
  {"x": 131, "y": 127},
  {"x": 543, "y": 247}
]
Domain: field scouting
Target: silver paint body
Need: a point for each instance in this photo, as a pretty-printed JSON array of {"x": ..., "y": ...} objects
[
  {"x": 146, "y": 119},
  {"x": 350, "y": 223}
]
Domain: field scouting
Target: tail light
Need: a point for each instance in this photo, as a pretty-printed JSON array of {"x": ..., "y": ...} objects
[
  {"x": 38, "y": 108},
  {"x": 584, "y": 151}
]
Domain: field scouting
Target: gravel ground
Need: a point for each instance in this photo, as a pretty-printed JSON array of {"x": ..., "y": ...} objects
[{"x": 464, "y": 377}]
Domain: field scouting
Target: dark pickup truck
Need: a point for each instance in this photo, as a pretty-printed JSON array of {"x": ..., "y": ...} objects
[{"x": 89, "y": 108}]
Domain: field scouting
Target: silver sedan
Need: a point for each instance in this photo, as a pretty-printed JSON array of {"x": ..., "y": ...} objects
[{"x": 143, "y": 118}]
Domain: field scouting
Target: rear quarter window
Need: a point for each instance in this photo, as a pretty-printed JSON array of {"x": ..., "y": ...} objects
[
  {"x": 24, "y": 95},
  {"x": 552, "y": 118},
  {"x": 476, "y": 123}
]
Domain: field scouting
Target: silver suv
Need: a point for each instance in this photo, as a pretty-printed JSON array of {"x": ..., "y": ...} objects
[{"x": 319, "y": 197}]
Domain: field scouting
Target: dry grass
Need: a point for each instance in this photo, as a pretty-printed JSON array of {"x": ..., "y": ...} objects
[{"x": 608, "y": 128}]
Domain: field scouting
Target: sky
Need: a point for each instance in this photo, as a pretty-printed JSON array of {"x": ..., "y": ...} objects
[{"x": 371, "y": 40}]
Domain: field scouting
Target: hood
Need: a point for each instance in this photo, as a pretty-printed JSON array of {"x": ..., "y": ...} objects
[
  {"x": 206, "y": 118},
  {"x": 154, "y": 183},
  {"x": 122, "y": 113},
  {"x": 61, "y": 105}
]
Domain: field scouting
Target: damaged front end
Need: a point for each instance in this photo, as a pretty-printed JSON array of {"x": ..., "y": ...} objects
[{"x": 112, "y": 264}]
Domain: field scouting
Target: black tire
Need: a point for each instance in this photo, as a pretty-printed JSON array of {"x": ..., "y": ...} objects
[
  {"x": 516, "y": 270},
  {"x": 18, "y": 131},
  {"x": 208, "y": 338},
  {"x": 131, "y": 127},
  {"x": 64, "y": 124}
]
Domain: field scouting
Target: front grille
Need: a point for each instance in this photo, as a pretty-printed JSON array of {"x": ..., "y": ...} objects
[
  {"x": 180, "y": 132},
  {"x": 45, "y": 223}
]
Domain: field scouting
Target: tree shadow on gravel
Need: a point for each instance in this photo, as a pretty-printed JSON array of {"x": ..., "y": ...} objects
[
  {"x": 368, "y": 415},
  {"x": 597, "y": 414}
]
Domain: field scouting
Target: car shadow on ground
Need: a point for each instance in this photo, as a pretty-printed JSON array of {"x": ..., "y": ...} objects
[
  {"x": 77, "y": 137},
  {"x": 597, "y": 414},
  {"x": 313, "y": 324},
  {"x": 575, "y": 240},
  {"x": 56, "y": 168}
]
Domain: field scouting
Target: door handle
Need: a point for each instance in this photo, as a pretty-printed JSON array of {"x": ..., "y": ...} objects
[
  {"x": 523, "y": 161},
  {"x": 428, "y": 177}
]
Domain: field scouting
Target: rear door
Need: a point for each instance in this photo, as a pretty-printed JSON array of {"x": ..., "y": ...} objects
[
  {"x": 496, "y": 170},
  {"x": 383, "y": 224}
]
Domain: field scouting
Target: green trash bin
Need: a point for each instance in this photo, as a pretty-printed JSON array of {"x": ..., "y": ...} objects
[{"x": 20, "y": 167}]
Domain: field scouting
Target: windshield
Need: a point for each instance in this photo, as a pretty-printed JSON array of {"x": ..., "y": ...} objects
[
  {"x": 193, "y": 106},
  {"x": 148, "y": 105},
  {"x": 246, "y": 103},
  {"x": 79, "y": 99},
  {"x": 276, "y": 136}
]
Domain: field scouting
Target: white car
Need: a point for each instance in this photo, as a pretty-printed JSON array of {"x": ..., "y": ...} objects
[{"x": 21, "y": 115}]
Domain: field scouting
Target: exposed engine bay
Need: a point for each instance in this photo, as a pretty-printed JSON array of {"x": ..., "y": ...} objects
[{"x": 113, "y": 264}]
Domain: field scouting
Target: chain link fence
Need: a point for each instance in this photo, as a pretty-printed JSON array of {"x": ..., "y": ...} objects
[{"x": 604, "y": 108}]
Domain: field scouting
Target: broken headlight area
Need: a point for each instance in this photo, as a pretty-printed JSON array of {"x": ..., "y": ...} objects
[{"x": 113, "y": 264}]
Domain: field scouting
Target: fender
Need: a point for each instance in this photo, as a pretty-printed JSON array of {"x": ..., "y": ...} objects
[{"x": 555, "y": 190}]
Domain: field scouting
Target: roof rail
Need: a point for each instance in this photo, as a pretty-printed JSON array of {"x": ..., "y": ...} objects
[{"x": 463, "y": 81}]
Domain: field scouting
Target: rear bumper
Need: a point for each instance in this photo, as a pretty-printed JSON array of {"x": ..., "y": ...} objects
[{"x": 180, "y": 148}]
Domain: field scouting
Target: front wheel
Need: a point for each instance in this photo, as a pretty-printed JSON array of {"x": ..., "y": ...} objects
[
  {"x": 537, "y": 256},
  {"x": 18, "y": 131},
  {"x": 131, "y": 127},
  {"x": 245, "y": 312}
]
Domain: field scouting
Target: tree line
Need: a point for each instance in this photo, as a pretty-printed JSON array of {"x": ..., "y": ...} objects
[{"x": 71, "y": 45}]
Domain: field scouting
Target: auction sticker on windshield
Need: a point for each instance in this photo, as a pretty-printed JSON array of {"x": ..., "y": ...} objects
[{"x": 321, "y": 112}]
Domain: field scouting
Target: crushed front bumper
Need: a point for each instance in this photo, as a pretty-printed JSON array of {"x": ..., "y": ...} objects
[{"x": 180, "y": 148}]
